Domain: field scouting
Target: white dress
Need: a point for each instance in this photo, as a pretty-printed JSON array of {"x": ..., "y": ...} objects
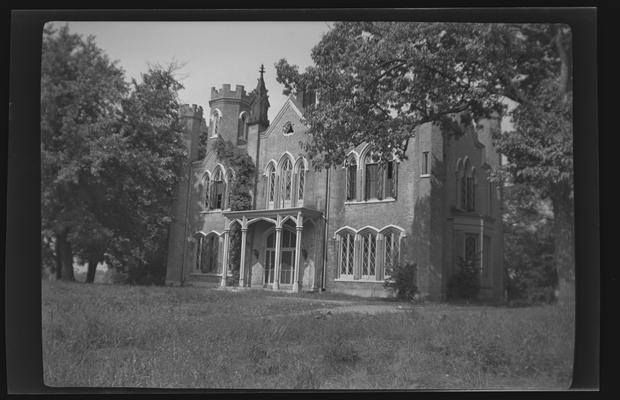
[
  {"x": 257, "y": 275},
  {"x": 308, "y": 278}
]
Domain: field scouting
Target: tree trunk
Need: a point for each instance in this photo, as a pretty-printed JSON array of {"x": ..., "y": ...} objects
[
  {"x": 66, "y": 255},
  {"x": 58, "y": 258},
  {"x": 564, "y": 242},
  {"x": 92, "y": 270}
]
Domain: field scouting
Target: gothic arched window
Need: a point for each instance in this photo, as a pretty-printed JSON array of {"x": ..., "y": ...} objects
[
  {"x": 391, "y": 251},
  {"x": 271, "y": 184},
  {"x": 346, "y": 254},
  {"x": 351, "y": 178},
  {"x": 218, "y": 190},
  {"x": 286, "y": 180},
  {"x": 242, "y": 130},
  {"x": 206, "y": 254},
  {"x": 205, "y": 190},
  {"x": 380, "y": 179},
  {"x": 300, "y": 168},
  {"x": 369, "y": 254},
  {"x": 216, "y": 122}
]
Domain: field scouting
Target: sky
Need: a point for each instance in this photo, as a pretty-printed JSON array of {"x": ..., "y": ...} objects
[{"x": 212, "y": 53}]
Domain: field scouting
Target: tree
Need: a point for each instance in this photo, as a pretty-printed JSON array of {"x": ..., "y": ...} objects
[
  {"x": 80, "y": 91},
  {"x": 528, "y": 246},
  {"x": 378, "y": 81},
  {"x": 111, "y": 154},
  {"x": 140, "y": 169}
]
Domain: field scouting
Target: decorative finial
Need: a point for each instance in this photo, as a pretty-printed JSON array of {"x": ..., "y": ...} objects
[{"x": 261, "y": 70}]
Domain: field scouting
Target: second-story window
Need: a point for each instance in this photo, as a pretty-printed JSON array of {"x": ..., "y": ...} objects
[
  {"x": 286, "y": 179},
  {"x": 351, "y": 171},
  {"x": 242, "y": 130},
  {"x": 218, "y": 190},
  {"x": 271, "y": 185},
  {"x": 425, "y": 169},
  {"x": 301, "y": 181},
  {"x": 466, "y": 186},
  {"x": 380, "y": 180}
]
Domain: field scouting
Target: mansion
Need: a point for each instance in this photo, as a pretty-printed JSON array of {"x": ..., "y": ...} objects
[{"x": 339, "y": 229}]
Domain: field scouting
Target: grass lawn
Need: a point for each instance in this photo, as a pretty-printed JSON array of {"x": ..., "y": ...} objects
[{"x": 171, "y": 337}]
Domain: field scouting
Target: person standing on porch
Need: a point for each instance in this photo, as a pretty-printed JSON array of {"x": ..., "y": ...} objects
[
  {"x": 308, "y": 277},
  {"x": 257, "y": 272}
]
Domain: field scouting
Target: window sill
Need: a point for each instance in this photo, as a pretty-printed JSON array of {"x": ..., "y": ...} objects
[
  {"x": 373, "y": 201},
  {"x": 357, "y": 280},
  {"x": 425, "y": 176}
]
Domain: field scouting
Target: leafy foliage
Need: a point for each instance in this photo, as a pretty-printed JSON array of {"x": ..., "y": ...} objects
[
  {"x": 80, "y": 94},
  {"x": 378, "y": 81},
  {"x": 110, "y": 154},
  {"x": 531, "y": 276},
  {"x": 402, "y": 281}
]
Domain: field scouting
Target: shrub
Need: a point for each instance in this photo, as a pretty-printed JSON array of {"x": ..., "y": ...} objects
[
  {"x": 465, "y": 283},
  {"x": 402, "y": 281}
]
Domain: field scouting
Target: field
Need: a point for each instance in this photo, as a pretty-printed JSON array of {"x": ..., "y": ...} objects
[{"x": 169, "y": 337}]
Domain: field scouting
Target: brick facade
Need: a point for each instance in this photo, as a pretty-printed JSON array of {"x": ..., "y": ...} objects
[{"x": 425, "y": 215}]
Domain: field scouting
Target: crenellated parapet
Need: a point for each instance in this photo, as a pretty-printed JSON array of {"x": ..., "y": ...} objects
[
  {"x": 226, "y": 93},
  {"x": 190, "y": 111}
]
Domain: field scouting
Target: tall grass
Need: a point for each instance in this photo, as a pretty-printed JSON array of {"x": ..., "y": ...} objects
[{"x": 123, "y": 336}]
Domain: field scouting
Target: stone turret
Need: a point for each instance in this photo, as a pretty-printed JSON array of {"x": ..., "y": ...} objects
[
  {"x": 228, "y": 107},
  {"x": 191, "y": 117}
]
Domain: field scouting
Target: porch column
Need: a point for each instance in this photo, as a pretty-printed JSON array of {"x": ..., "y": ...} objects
[
  {"x": 276, "y": 268},
  {"x": 300, "y": 228},
  {"x": 244, "y": 232},
  {"x": 225, "y": 257}
]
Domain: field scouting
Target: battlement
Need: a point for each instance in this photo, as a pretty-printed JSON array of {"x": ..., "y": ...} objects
[
  {"x": 225, "y": 93},
  {"x": 186, "y": 110}
]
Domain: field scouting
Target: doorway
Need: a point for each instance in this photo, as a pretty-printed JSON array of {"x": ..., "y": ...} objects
[{"x": 287, "y": 257}]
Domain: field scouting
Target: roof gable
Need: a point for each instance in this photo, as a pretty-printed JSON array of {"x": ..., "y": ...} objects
[{"x": 288, "y": 107}]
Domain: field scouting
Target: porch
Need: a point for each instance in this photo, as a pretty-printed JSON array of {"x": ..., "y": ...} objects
[{"x": 271, "y": 247}]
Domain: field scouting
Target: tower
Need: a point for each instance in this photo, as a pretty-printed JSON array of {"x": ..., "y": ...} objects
[
  {"x": 230, "y": 114},
  {"x": 191, "y": 119}
]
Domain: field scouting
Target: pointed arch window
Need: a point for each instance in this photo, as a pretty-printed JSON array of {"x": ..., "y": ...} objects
[
  {"x": 346, "y": 255},
  {"x": 205, "y": 190},
  {"x": 300, "y": 174},
  {"x": 216, "y": 122},
  {"x": 271, "y": 185},
  {"x": 286, "y": 179},
  {"x": 218, "y": 190},
  {"x": 206, "y": 253},
  {"x": 466, "y": 190},
  {"x": 369, "y": 255},
  {"x": 242, "y": 129},
  {"x": 351, "y": 179},
  {"x": 392, "y": 251},
  {"x": 380, "y": 180}
]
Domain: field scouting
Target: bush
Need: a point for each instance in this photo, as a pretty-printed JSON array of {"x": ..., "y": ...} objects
[
  {"x": 465, "y": 283},
  {"x": 402, "y": 281}
]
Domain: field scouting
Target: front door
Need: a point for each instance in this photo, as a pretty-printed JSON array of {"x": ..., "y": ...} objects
[
  {"x": 287, "y": 258},
  {"x": 287, "y": 267}
]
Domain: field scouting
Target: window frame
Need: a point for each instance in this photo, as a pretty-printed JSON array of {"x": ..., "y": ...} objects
[
  {"x": 346, "y": 255},
  {"x": 216, "y": 122},
  {"x": 383, "y": 191},
  {"x": 218, "y": 181}
]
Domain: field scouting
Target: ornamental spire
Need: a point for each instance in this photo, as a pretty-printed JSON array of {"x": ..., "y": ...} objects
[{"x": 260, "y": 104}]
